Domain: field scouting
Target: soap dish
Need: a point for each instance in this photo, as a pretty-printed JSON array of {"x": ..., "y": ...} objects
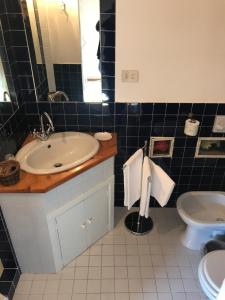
[{"x": 103, "y": 136}]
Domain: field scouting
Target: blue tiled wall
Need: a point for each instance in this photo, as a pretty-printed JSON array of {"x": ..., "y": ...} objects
[
  {"x": 11, "y": 273},
  {"x": 68, "y": 78}
]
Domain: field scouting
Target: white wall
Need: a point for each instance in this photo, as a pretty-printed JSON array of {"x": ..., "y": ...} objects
[{"x": 178, "y": 46}]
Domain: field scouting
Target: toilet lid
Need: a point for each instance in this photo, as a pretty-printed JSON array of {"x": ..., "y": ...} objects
[{"x": 214, "y": 268}]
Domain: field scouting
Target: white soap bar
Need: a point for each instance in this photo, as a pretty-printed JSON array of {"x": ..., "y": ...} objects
[{"x": 103, "y": 136}]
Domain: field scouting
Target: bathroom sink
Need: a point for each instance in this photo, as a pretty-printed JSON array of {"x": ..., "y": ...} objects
[{"x": 61, "y": 152}]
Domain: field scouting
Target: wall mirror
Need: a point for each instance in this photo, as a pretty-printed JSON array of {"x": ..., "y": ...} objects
[
  {"x": 8, "y": 97},
  {"x": 63, "y": 39}
]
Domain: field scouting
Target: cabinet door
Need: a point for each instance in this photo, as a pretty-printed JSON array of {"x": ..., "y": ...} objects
[
  {"x": 71, "y": 229},
  {"x": 96, "y": 211}
]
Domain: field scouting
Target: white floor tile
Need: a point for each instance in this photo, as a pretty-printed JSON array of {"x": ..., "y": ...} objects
[
  {"x": 162, "y": 285},
  {"x": 20, "y": 297},
  {"x": 49, "y": 297},
  {"x": 40, "y": 276},
  {"x": 95, "y": 260},
  {"x": 27, "y": 276},
  {"x": 135, "y": 285},
  {"x": 173, "y": 272},
  {"x": 119, "y": 249},
  {"x": 120, "y": 272},
  {"x": 150, "y": 296},
  {"x": 134, "y": 272},
  {"x": 93, "y": 286},
  {"x": 120, "y": 260},
  {"x": 179, "y": 296},
  {"x": 107, "y": 260},
  {"x": 155, "y": 249},
  {"x": 121, "y": 286},
  {"x": 79, "y": 297},
  {"x": 176, "y": 285},
  {"x": 23, "y": 287},
  {"x": 107, "y": 250},
  {"x": 107, "y": 286},
  {"x": 164, "y": 296},
  {"x": 82, "y": 261},
  {"x": 148, "y": 285},
  {"x": 94, "y": 273},
  {"x": 37, "y": 287},
  {"x": 80, "y": 287},
  {"x": 67, "y": 273},
  {"x": 157, "y": 260},
  {"x": 136, "y": 296},
  {"x": 186, "y": 272},
  {"x": 147, "y": 272},
  {"x": 35, "y": 297},
  {"x": 190, "y": 285},
  {"x": 81, "y": 272},
  {"x": 160, "y": 272},
  {"x": 51, "y": 287},
  {"x": 145, "y": 261},
  {"x": 107, "y": 272},
  {"x": 64, "y": 297},
  {"x": 93, "y": 297},
  {"x": 193, "y": 296},
  {"x": 107, "y": 297},
  {"x": 65, "y": 287},
  {"x": 143, "y": 250},
  {"x": 121, "y": 296},
  {"x": 95, "y": 250},
  {"x": 132, "y": 249}
]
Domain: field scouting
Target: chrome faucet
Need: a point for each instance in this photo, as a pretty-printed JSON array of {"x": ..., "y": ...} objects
[
  {"x": 56, "y": 96},
  {"x": 43, "y": 134}
]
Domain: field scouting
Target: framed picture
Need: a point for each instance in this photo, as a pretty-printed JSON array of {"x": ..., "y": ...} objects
[
  {"x": 210, "y": 147},
  {"x": 161, "y": 146}
]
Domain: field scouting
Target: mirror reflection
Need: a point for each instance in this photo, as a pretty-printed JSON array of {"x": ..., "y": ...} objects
[
  {"x": 4, "y": 88},
  {"x": 63, "y": 38}
]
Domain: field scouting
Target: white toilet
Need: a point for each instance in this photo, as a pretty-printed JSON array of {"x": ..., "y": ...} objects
[{"x": 211, "y": 273}]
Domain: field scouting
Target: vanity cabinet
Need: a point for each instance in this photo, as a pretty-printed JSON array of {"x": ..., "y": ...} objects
[
  {"x": 48, "y": 230},
  {"x": 82, "y": 224}
]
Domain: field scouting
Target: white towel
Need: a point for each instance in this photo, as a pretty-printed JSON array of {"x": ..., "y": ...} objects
[
  {"x": 132, "y": 171},
  {"x": 146, "y": 188},
  {"x": 221, "y": 295},
  {"x": 162, "y": 185}
]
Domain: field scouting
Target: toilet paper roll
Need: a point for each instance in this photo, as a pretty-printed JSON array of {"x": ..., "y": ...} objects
[{"x": 191, "y": 127}]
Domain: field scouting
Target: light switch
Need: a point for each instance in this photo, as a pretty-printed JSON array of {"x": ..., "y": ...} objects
[
  {"x": 219, "y": 124},
  {"x": 130, "y": 75}
]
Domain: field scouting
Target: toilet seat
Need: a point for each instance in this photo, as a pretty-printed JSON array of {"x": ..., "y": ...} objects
[
  {"x": 211, "y": 272},
  {"x": 211, "y": 294}
]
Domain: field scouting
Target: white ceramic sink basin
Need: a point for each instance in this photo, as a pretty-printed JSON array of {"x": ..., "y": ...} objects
[{"x": 61, "y": 152}]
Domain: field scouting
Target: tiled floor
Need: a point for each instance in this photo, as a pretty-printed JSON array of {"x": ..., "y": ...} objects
[{"x": 122, "y": 266}]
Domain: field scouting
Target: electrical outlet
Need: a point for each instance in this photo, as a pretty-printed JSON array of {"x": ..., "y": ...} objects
[{"x": 130, "y": 76}]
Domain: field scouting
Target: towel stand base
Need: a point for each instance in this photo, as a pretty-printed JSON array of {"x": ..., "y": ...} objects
[{"x": 138, "y": 225}]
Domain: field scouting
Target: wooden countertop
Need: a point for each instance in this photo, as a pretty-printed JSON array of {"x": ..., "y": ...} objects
[{"x": 32, "y": 183}]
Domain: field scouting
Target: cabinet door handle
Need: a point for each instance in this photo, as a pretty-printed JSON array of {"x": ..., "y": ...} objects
[
  {"x": 83, "y": 225},
  {"x": 90, "y": 220}
]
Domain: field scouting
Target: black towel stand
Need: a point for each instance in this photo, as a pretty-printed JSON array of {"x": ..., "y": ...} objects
[{"x": 134, "y": 222}]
